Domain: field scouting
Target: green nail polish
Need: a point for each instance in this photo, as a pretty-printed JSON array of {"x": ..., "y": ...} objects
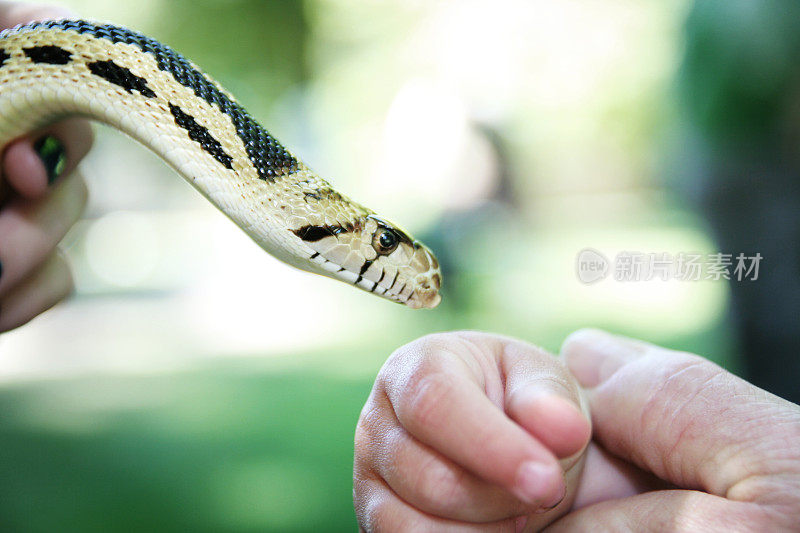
[{"x": 53, "y": 156}]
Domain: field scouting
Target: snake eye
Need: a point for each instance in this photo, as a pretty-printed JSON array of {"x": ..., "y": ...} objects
[{"x": 385, "y": 241}]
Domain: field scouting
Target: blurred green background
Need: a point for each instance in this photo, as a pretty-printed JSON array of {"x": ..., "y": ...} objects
[{"x": 194, "y": 384}]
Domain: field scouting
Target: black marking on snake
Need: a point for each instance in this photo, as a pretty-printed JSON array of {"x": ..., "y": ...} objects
[
  {"x": 118, "y": 75},
  {"x": 53, "y": 55},
  {"x": 364, "y": 268},
  {"x": 3, "y": 56},
  {"x": 375, "y": 286},
  {"x": 311, "y": 233},
  {"x": 397, "y": 273},
  {"x": 269, "y": 158},
  {"x": 200, "y": 135},
  {"x": 314, "y": 255},
  {"x": 324, "y": 193}
]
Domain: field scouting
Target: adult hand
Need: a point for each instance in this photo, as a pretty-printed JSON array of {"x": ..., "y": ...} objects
[
  {"x": 730, "y": 451},
  {"x": 464, "y": 432},
  {"x": 36, "y": 207}
]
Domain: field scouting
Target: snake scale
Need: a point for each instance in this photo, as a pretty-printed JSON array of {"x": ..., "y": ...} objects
[{"x": 53, "y": 69}]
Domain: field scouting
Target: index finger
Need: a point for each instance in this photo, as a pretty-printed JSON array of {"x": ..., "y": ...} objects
[
  {"x": 31, "y": 163},
  {"x": 440, "y": 403}
]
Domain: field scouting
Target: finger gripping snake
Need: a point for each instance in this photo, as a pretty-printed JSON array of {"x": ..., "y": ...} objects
[{"x": 53, "y": 69}]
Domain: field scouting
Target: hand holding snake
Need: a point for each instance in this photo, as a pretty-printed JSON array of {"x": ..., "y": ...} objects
[
  {"x": 41, "y": 197},
  {"x": 72, "y": 68}
]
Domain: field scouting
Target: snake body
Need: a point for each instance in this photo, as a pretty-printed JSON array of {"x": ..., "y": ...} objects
[{"x": 53, "y": 69}]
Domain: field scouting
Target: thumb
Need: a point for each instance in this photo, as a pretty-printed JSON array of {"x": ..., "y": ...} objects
[{"x": 683, "y": 418}]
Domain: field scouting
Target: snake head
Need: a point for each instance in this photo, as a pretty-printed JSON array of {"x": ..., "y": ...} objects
[{"x": 378, "y": 257}]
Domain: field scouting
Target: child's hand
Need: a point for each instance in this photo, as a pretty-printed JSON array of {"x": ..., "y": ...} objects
[{"x": 464, "y": 431}]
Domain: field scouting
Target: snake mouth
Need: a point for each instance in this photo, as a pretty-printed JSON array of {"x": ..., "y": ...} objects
[
  {"x": 417, "y": 298},
  {"x": 417, "y": 292},
  {"x": 424, "y": 300}
]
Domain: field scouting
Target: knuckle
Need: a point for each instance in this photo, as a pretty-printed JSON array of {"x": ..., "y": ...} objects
[
  {"x": 377, "y": 512},
  {"x": 439, "y": 486},
  {"x": 682, "y": 378},
  {"x": 424, "y": 397},
  {"x": 361, "y": 490},
  {"x": 375, "y": 417},
  {"x": 362, "y": 439},
  {"x": 433, "y": 340},
  {"x": 417, "y": 351},
  {"x": 411, "y": 363},
  {"x": 370, "y": 413},
  {"x": 378, "y": 516},
  {"x": 368, "y": 436},
  {"x": 362, "y": 503},
  {"x": 686, "y": 386},
  {"x": 678, "y": 373}
]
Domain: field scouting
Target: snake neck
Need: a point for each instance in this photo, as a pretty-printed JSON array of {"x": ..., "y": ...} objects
[{"x": 153, "y": 94}]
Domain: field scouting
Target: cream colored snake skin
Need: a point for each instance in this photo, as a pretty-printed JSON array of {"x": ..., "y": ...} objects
[{"x": 54, "y": 69}]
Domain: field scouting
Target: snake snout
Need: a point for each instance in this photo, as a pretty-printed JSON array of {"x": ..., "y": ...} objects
[{"x": 424, "y": 299}]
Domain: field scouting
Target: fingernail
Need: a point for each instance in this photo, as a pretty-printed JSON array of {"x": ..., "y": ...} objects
[
  {"x": 53, "y": 156},
  {"x": 593, "y": 355},
  {"x": 535, "y": 482},
  {"x": 555, "y": 503}
]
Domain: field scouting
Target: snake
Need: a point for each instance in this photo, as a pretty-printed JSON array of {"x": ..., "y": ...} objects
[{"x": 54, "y": 69}]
